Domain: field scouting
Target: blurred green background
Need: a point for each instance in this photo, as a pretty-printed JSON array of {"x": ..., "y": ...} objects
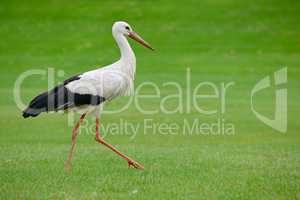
[{"x": 220, "y": 41}]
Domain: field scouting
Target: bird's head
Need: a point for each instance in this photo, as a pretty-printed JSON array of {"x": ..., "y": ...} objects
[{"x": 125, "y": 29}]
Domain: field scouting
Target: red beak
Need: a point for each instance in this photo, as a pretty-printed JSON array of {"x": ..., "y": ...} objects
[{"x": 136, "y": 37}]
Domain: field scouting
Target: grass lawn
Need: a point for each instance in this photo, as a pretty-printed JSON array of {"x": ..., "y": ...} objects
[{"x": 218, "y": 41}]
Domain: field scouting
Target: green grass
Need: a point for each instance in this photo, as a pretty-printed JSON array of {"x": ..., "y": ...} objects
[{"x": 220, "y": 41}]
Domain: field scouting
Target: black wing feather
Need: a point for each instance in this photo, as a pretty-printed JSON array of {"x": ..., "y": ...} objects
[{"x": 60, "y": 98}]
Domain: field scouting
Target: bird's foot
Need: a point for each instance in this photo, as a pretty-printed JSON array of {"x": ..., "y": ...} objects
[
  {"x": 134, "y": 164},
  {"x": 68, "y": 167}
]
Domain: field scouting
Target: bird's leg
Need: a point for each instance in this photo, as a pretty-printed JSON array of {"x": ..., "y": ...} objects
[
  {"x": 99, "y": 139},
  {"x": 68, "y": 165}
]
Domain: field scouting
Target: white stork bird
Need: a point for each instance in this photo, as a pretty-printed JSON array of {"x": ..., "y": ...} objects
[{"x": 85, "y": 92}]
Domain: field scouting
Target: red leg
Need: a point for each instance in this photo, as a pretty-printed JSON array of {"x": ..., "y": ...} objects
[
  {"x": 99, "y": 139},
  {"x": 68, "y": 165}
]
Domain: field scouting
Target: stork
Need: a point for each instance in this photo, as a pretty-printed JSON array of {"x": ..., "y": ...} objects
[{"x": 85, "y": 93}]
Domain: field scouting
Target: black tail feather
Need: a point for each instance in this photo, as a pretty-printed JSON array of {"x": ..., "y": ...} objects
[
  {"x": 36, "y": 106},
  {"x": 27, "y": 114},
  {"x": 52, "y": 100},
  {"x": 59, "y": 98}
]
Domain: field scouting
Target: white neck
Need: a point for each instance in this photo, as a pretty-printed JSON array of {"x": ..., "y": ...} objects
[
  {"x": 126, "y": 51},
  {"x": 127, "y": 59}
]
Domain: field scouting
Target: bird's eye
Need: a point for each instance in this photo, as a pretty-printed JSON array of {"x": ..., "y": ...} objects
[{"x": 127, "y": 28}]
